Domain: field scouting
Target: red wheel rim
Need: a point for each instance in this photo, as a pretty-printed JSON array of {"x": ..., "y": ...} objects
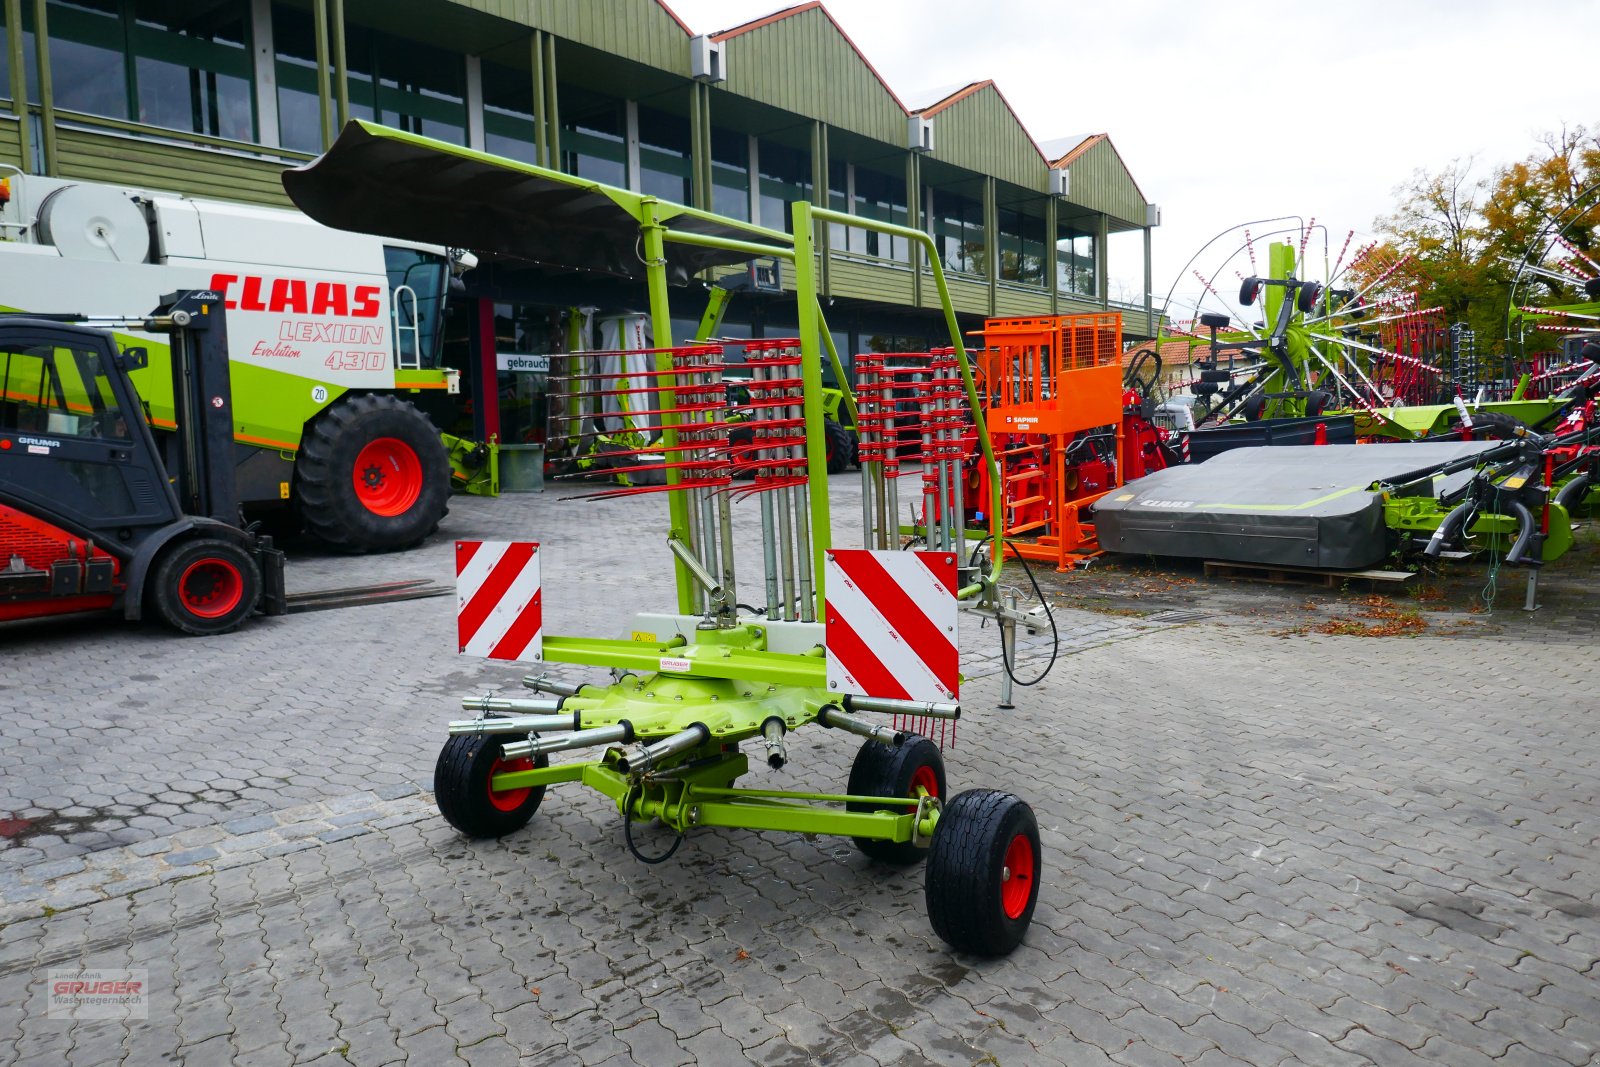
[
  {"x": 210, "y": 588},
  {"x": 508, "y": 799},
  {"x": 387, "y": 476},
  {"x": 1016, "y": 879},
  {"x": 927, "y": 779}
]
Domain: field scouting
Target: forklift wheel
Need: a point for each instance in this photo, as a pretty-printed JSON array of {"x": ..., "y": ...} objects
[
  {"x": 205, "y": 587},
  {"x": 884, "y": 771},
  {"x": 467, "y": 764},
  {"x": 983, "y": 872}
]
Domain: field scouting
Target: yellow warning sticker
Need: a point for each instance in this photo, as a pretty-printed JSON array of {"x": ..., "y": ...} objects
[
  {"x": 283, "y": 487},
  {"x": 641, "y": 635},
  {"x": 1516, "y": 481},
  {"x": 1125, "y": 496}
]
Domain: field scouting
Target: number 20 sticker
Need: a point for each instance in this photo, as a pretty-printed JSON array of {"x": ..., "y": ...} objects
[{"x": 319, "y": 393}]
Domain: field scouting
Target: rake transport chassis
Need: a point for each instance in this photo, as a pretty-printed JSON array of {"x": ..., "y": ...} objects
[{"x": 695, "y": 684}]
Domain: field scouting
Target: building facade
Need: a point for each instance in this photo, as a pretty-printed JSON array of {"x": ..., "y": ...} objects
[{"x": 214, "y": 98}]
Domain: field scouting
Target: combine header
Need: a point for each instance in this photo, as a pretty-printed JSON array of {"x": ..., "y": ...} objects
[{"x": 847, "y": 636}]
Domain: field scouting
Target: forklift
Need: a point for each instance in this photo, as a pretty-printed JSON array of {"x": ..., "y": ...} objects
[{"x": 93, "y": 517}]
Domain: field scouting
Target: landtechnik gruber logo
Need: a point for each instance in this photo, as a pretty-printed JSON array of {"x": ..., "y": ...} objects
[{"x": 101, "y": 993}]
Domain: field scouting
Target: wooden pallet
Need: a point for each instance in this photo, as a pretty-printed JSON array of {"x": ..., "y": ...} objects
[{"x": 1282, "y": 575}]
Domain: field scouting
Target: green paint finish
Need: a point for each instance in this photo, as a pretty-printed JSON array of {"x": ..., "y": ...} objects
[
  {"x": 112, "y": 156},
  {"x": 1492, "y": 531},
  {"x": 641, "y": 30},
  {"x": 804, "y": 65},
  {"x": 706, "y": 661},
  {"x": 279, "y": 404},
  {"x": 1424, "y": 419},
  {"x": 862, "y": 280},
  {"x": 11, "y": 141},
  {"x": 698, "y": 792},
  {"x": 979, "y": 132},
  {"x": 1101, "y": 182}
]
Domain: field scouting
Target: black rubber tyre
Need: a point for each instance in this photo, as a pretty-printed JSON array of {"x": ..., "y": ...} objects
[
  {"x": 1492, "y": 426},
  {"x": 983, "y": 872},
  {"x": 1204, "y": 388},
  {"x": 461, "y": 786},
  {"x": 204, "y": 587},
  {"x": 1317, "y": 402},
  {"x": 372, "y": 475},
  {"x": 841, "y": 446},
  {"x": 1216, "y": 376},
  {"x": 1249, "y": 289},
  {"x": 895, "y": 771},
  {"x": 1255, "y": 407},
  {"x": 1307, "y": 296}
]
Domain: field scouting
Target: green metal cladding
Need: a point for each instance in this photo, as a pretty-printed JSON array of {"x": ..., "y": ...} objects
[
  {"x": 1102, "y": 183},
  {"x": 979, "y": 132},
  {"x": 804, "y": 64},
  {"x": 641, "y": 30}
]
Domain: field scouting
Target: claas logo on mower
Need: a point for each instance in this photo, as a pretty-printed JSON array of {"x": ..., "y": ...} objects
[{"x": 297, "y": 296}]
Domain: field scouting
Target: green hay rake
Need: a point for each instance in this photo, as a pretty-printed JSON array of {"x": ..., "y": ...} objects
[{"x": 694, "y": 685}]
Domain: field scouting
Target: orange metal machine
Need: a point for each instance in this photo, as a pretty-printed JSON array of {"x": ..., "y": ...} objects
[{"x": 1055, "y": 405}]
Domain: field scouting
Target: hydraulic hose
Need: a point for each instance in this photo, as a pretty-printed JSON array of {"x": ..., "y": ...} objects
[
  {"x": 1525, "y": 531},
  {"x": 1449, "y": 528},
  {"x": 1573, "y": 492}
]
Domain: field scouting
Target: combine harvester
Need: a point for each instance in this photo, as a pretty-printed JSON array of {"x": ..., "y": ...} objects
[
  {"x": 328, "y": 332},
  {"x": 846, "y": 635}
]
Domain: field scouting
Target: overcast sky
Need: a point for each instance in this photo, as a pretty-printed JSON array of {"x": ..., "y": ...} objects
[{"x": 1226, "y": 112}]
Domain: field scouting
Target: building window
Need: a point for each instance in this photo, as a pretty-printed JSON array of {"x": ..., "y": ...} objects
[
  {"x": 180, "y": 66},
  {"x": 88, "y": 57},
  {"x": 1021, "y": 242},
  {"x": 664, "y": 156},
  {"x": 409, "y": 85},
  {"x": 730, "y": 174},
  {"x": 785, "y": 177},
  {"x": 30, "y": 65},
  {"x": 882, "y": 198},
  {"x": 192, "y": 67},
  {"x": 508, "y": 125},
  {"x": 958, "y": 233},
  {"x": 593, "y": 144},
  {"x": 294, "y": 42},
  {"x": 1075, "y": 267},
  {"x": 839, "y": 200}
]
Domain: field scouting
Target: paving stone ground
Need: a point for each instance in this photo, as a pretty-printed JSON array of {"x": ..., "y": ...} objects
[{"x": 1263, "y": 845}]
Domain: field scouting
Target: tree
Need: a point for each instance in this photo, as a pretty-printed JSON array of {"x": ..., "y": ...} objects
[
  {"x": 1437, "y": 230},
  {"x": 1551, "y": 192},
  {"x": 1465, "y": 237}
]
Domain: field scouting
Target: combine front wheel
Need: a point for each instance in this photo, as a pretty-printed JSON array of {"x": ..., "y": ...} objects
[
  {"x": 372, "y": 475},
  {"x": 983, "y": 872}
]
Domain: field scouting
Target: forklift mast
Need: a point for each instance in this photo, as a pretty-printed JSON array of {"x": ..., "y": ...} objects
[{"x": 200, "y": 455}]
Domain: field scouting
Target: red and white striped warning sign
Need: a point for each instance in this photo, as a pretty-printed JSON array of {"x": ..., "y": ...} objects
[
  {"x": 499, "y": 609},
  {"x": 891, "y": 624}
]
